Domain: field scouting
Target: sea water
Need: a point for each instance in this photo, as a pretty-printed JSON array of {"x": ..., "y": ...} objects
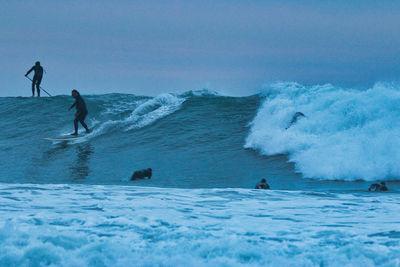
[{"x": 72, "y": 204}]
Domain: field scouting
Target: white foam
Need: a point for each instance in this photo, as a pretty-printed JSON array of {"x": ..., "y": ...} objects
[
  {"x": 154, "y": 109},
  {"x": 347, "y": 134},
  {"x": 145, "y": 112},
  {"x": 202, "y": 92},
  {"x": 86, "y": 225}
]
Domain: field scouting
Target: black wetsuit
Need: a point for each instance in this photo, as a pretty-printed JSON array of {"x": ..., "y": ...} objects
[
  {"x": 295, "y": 117},
  {"x": 81, "y": 111},
  {"x": 37, "y": 78},
  {"x": 142, "y": 174},
  {"x": 261, "y": 185},
  {"x": 378, "y": 187}
]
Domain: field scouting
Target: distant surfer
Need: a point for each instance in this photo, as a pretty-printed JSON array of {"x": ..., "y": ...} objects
[
  {"x": 378, "y": 187},
  {"x": 81, "y": 111},
  {"x": 142, "y": 174},
  {"x": 37, "y": 77},
  {"x": 295, "y": 117},
  {"x": 262, "y": 184}
]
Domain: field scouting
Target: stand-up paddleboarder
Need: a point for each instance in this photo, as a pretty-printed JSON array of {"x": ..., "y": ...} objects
[{"x": 37, "y": 77}]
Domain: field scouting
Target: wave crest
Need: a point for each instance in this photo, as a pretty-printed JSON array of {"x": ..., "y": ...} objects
[{"x": 347, "y": 134}]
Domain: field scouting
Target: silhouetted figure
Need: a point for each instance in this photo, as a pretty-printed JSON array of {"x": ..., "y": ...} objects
[
  {"x": 37, "y": 77},
  {"x": 295, "y": 117},
  {"x": 378, "y": 187},
  {"x": 262, "y": 184},
  {"x": 81, "y": 111},
  {"x": 142, "y": 174}
]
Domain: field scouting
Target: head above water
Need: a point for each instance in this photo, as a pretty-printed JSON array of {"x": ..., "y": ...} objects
[
  {"x": 383, "y": 183},
  {"x": 263, "y": 180},
  {"x": 75, "y": 93},
  {"x": 37, "y": 63}
]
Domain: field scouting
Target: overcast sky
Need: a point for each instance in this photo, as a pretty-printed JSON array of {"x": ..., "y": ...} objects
[{"x": 234, "y": 47}]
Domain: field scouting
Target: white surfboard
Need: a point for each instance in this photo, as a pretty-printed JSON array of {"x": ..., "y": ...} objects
[
  {"x": 63, "y": 138},
  {"x": 68, "y": 137}
]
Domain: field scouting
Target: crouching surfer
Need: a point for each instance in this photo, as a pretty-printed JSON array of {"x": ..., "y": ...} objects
[
  {"x": 142, "y": 174},
  {"x": 81, "y": 111},
  {"x": 378, "y": 187},
  {"x": 295, "y": 117},
  {"x": 262, "y": 184}
]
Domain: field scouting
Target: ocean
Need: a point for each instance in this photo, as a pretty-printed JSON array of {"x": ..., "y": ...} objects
[{"x": 72, "y": 203}]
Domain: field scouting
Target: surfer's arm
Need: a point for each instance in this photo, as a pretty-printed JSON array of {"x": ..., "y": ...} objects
[
  {"x": 73, "y": 105},
  {"x": 29, "y": 71}
]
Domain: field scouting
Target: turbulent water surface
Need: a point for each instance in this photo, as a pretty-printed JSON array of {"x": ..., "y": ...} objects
[
  {"x": 75, "y": 225},
  {"x": 71, "y": 203}
]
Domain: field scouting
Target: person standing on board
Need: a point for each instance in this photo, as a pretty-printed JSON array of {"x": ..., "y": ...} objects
[
  {"x": 37, "y": 77},
  {"x": 81, "y": 111}
]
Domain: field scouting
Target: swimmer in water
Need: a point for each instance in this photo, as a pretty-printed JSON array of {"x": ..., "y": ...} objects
[
  {"x": 142, "y": 174},
  {"x": 378, "y": 187},
  {"x": 295, "y": 117},
  {"x": 262, "y": 184}
]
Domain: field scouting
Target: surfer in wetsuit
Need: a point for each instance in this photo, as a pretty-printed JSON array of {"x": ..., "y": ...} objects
[
  {"x": 37, "y": 77},
  {"x": 262, "y": 184},
  {"x": 295, "y": 117},
  {"x": 378, "y": 187},
  {"x": 142, "y": 174},
  {"x": 81, "y": 111}
]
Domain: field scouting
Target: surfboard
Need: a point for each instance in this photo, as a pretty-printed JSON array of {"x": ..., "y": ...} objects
[
  {"x": 64, "y": 138},
  {"x": 68, "y": 137}
]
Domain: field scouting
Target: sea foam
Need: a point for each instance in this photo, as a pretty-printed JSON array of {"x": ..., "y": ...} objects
[
  {"x": 141, "y": 113},
  {"x": 89, "y": 225},
  {"x": 154, "y": 109},
  {"x": 346, "y": 134}
]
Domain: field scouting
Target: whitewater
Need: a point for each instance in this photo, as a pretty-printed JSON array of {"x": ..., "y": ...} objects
[
  {"x": 72, "y": 204},
  {"x": 81, "y": 225},
  {"x": 347, "y": 134}
]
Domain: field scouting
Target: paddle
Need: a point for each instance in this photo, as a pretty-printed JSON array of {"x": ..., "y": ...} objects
[{"x": 39, "y": 86}]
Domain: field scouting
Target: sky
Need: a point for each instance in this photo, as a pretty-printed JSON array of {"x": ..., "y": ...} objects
[{"x": 233, "y": 47}]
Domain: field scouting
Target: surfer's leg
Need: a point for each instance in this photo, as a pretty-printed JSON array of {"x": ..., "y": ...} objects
[
  {"x": 85, "y": 126},
  {"x": 38, "y": 86},
  {"x": 82, "y": 121},
  {"x": 33, "y": 87},
  {"x": 38, "y": 89},
  {"x": 76, "y": 126}
]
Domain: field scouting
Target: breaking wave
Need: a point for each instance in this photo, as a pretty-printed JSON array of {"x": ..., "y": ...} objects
[{"x": 346, "y": 134}]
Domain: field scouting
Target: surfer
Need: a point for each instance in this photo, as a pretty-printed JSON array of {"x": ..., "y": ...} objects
[
  {"x": 378, "y": 187},
  {"x": 262, "y": 184},
  {"x": 142, "y": 174},
  {"x": 81, "y": 111},
  {"x": 295, "y": 117},
  {"x": 37, "y": 77}
]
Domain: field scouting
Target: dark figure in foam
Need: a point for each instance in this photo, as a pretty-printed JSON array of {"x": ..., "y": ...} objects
[
  {"x": 378, "y": 187},
  {"x": 142, "y": 174},
  {"x": 295, "y": 117},
  {"x": 262, "y": 185}
]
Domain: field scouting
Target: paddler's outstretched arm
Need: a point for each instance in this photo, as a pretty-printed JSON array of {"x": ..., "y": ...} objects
[{"x": 29, "y": 71}]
